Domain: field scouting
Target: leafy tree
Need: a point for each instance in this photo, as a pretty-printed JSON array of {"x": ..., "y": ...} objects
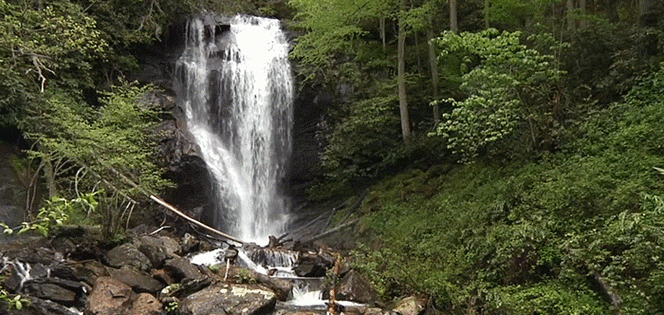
[
  {"x": 42, "y": 48},
  {"x": 83, "y": 151},
  {"x": 509, "y": 87}
]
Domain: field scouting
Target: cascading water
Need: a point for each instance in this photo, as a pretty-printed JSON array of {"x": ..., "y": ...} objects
[{"x": 235, "y": 86}]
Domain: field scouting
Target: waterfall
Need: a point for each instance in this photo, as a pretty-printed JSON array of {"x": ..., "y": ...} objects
[{"x": 235, "y": 86}]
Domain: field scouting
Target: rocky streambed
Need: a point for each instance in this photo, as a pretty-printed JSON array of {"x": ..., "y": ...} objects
[{"x": 77, "y": 272}]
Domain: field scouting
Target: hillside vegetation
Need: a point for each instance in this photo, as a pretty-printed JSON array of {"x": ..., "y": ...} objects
[
  {"x": 579, "y": 231},
  {"x": 531, "y": 180},
  {"x": 513, "y": 150}
]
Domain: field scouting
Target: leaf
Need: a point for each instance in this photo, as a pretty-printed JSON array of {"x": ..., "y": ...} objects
[{"x": 660, "y": 170}]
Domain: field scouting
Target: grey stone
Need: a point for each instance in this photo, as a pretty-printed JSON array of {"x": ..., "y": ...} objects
[
  {"x": 154, "y": 249},
  {"x": 181, "y": 269},
  {"x": 230, "y": 299},
  {"x": 127, "y": 255},
  {"x": 52, "y": 292},
  {"x": 355, "y": 287},
  {"x": 137, "y": 280}
]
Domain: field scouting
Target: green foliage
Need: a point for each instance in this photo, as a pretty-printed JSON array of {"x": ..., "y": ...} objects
[
  {"x": 214, "y": 268},
  {"x": 42, "y": 48},
  {"x": 509, "y": 86},
  {"x": 111, "y": 147},
  {"x": 547, "y": 298},
  {"x": 172, "y": 306},
  {"x": 525, "y": 237},
  {"x": 606, "y": 60},
  {"x": 364, "y": 140},
  {"x": 331, "y": 29},
  {"x": 244, "y": 276},
  {"x": 16, "y": 302},
  {"x": 59, "y": 211}
]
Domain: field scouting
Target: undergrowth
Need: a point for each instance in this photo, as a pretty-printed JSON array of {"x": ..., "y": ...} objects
[{"x": 578, "y": 231}]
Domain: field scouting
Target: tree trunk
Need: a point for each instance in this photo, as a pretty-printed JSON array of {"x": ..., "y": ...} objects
[
  {"x": 582, "y": 8},
  {"x": 453, "y": 16},
  {"x": 382, "y": 31},
  {"x": 433, "y": 65},
  {"x": 612, "y": 11},
  {"x": 570, "y": 15},
  {"x": 401, "y": 78},
  {"x": 49, "y": 174},
  {"x": 486, "y": 13}
]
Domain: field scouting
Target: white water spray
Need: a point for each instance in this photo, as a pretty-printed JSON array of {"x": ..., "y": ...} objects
[{"x": 236, "y": 89}]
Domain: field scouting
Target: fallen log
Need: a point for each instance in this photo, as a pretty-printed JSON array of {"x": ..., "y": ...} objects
[
  {"x": 332, "y": 231},
  {"x": 194, "y": 221}
]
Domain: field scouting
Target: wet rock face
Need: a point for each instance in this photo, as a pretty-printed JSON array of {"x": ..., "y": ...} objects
[{"x": 13, "y": 191}]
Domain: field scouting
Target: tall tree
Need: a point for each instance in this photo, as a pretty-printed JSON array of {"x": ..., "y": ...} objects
[
  {"x": 453, "y": 16},
  {"x": 433, "y": 66},
  {"x": 401, "y": 75}
]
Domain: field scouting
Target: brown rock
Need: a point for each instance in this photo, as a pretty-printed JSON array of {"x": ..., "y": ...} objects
[
  {"x": 145, "y": 304},
  {"x": 109, "y": 297}
]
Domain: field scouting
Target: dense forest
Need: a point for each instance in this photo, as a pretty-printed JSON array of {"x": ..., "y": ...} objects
[{"x": 506, "y": 155}]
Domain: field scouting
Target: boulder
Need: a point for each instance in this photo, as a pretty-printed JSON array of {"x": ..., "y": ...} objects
[
  {"x": 281, "y": 287},
  {"x": 109, "y": 297},
  {"x": 20, "y": 272},
  {"x": 52, "y": 292},
  {"x": 77, "y": 241},
  {"x": 375, "y": 311},
  {"x": 137, "y": 280},
  {"x": 184, "y": 288},
  {"x": 312, "y": 265},
  {"x": 181, "y": 269},
  {"x": 62, "y": 291},
  {"x": 225, "y": 299},
  {"x": 44, "y": 307},
  {"x": 87, "y": 272},
  {"x": 355, "y": 287},
  {"x": 127, "y": 255},
  {"x": 145, "y": 304},
  {"x": 298, "y": 312},
  {"x": 154, "y": 249},
  {"x": 172, "y": 246},
  {"x": 411, "y": 305}
]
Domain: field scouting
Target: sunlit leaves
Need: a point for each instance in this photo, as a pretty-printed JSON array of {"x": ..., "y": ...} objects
[{"x": 507, "y": 83}]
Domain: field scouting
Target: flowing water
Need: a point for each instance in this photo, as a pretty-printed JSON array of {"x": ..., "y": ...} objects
[{"x": 236, "y": 88}]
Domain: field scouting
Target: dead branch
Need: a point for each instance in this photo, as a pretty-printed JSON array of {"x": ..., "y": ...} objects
[
  {"x": 192, "y": 220},
  {"x": 332, "y": 231}
]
